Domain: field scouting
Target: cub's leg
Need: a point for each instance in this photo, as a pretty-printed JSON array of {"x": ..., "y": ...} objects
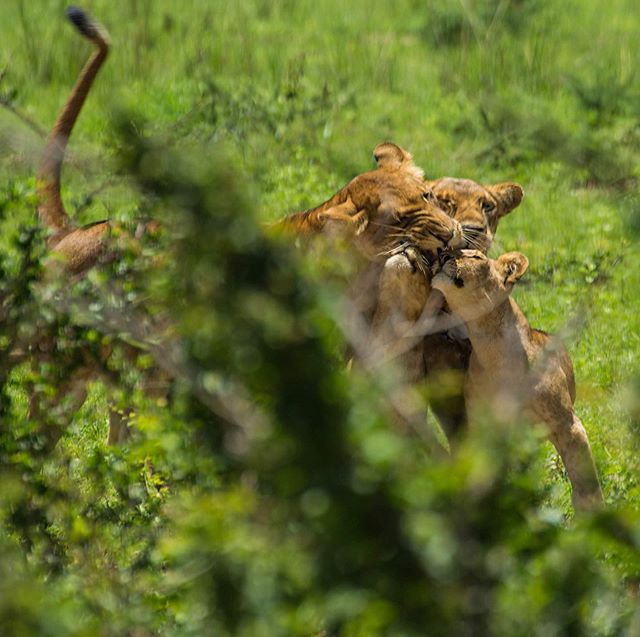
[
  {"x": 569, "y": 437},
  {"x": 402, "y": 293}
]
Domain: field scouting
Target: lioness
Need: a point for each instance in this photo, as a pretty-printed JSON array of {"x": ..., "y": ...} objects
[
  {"x": 478, "y": 208},
  {"x": 381, "y": 205},
  {"x": 390, "y": 209},
  {"x": 516, "y": 371}
]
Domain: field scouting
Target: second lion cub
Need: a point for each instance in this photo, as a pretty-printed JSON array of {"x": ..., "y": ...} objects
[{"x": 516, "y": 371}]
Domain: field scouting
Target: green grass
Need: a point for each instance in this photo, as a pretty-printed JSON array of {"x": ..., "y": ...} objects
[{"x": 298, "y": 93}]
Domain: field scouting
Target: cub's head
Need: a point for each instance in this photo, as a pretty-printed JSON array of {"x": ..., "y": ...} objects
[
  {"x": 473, "y": 283},
  {"x": 478, "y": 208}
]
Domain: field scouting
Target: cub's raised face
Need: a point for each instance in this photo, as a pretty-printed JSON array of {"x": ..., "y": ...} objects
[
  {"x": 478, "y": 208},
  {"x": 473, "y": 284}
]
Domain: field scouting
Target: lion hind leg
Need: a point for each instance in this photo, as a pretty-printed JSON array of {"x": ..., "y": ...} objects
[{"x": 572, "y": 443}]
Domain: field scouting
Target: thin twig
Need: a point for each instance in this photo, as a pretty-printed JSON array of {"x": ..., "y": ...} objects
[
  {"x": 31, "y": 123},
  {"x": 87, "y": 200}
]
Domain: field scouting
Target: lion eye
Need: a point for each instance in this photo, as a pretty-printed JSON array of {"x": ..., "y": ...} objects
[
  {"x": 447, "y": 204},
  {"x": 488, "y": 207}
]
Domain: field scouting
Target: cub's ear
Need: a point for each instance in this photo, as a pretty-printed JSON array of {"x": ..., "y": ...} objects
[
  {"x": 513, "y": 265},
  {"x": 508, "y": 196}
]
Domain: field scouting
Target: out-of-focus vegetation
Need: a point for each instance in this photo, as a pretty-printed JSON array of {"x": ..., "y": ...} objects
[{"x": 267, "y": 492}]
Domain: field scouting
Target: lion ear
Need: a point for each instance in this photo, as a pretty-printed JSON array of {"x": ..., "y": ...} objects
[
  {"x": 513, "y": 265},
  {"x": 508, "y": 196},
  {"x": 390, "y": 154}
]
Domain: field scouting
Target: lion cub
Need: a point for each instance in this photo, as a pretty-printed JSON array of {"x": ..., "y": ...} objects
[{"x": 516, "y": 370}]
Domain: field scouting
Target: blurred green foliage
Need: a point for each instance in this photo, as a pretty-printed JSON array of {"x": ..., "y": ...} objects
[{"x": 265, "y": 491}]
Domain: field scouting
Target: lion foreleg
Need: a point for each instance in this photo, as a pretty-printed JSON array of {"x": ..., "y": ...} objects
[
  {"x": 347, "y": 213},
  {"x": 397, "y": 348}
]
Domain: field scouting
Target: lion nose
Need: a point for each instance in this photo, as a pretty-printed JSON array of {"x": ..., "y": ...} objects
[{"x": 457, "y": 240}]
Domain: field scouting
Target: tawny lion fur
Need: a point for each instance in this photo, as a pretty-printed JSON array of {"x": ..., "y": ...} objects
[
  {"x": 516, "y": 372},
  {"x": 381, "y": 206},
  {"x": 78, "y": 248},
  {"x": 439, "y": 355}
]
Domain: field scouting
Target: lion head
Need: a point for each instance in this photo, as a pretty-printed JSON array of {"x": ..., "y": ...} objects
[
  {"x": 473, "y": 284},
  {"x": 478, "y": 208}
]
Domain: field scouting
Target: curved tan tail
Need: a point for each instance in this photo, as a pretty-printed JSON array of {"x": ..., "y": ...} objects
[{"x": 51, "y": 210}]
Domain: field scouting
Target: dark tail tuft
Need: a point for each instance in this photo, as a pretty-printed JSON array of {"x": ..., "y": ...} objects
[{"x": 82, "y": 22}]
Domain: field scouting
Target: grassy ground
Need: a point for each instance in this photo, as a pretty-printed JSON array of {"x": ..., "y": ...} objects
[{"x": 543, "y": 93}]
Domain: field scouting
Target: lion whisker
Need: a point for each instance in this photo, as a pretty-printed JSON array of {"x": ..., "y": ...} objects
[
  {"x": 382, "y": 225},
  {"x": 393, "y": 249},
  {"x": 472, "y": 241}
]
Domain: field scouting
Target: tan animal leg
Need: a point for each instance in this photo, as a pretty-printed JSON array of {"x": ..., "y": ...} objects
[
  {"x": 570, "y": 439},
  {"x": 343, "y": 211},
  {"x": 119, "y": 430},
  {"x": 347, "y": 213},
  {"x": 402, "y": 294}
]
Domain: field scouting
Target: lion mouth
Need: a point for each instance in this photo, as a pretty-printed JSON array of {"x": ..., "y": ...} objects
[{"x": 448, "y": 266}]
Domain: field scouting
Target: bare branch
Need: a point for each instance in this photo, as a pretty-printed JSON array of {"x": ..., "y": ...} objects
[{"x": 26, "y": 119}]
